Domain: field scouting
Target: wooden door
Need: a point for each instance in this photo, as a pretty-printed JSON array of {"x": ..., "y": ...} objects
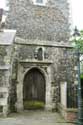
[{"x": 34, "y": 86}]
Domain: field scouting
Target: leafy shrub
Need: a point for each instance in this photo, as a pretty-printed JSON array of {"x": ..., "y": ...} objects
[{"x": 81, "y": 76}]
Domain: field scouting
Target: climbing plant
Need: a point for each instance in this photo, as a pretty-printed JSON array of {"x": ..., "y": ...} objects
[{"x": 79, "y": 41}]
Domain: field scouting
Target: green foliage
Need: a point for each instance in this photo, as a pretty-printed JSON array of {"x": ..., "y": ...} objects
[
  {"x": 79, "y": 42},
  {"x": 81, "y": 76},
  {"x": 33, "y": 104}
]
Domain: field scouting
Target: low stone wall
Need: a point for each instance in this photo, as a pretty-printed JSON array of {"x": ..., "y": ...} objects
[{"x": 69, "y": 114}]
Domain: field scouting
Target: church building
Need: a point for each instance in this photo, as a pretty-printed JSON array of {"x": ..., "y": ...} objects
[{"x": 33, "y": 68}]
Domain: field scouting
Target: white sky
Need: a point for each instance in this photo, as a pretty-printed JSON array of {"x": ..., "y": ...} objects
[
  {"x": 77, "y": 12},
  {"x": 2, "y": 3}
]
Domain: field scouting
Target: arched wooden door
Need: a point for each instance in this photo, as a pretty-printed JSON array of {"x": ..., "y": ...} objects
[{"x": 34, "y": 86}]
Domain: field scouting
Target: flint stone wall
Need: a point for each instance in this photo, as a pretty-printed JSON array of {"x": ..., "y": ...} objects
[
  {"x": 24, "y": 53},
  {"x": 6, "y": 45},
  {"x": 50, "y": 22}
]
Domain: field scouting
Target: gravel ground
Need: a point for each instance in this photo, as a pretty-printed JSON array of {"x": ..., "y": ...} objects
[{"x": 34, "y": 118}]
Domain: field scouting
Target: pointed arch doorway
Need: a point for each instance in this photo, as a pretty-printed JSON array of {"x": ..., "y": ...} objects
[{"x": 33, "y": 87}]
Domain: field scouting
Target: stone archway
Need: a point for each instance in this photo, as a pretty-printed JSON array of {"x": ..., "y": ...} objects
[
  {"x": 22, "y": 73},
  {"x": 34, "y": 86}
]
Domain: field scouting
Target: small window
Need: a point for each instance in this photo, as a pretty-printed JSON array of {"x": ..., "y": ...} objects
[
  {"x": 39, "y": 1},
  {"x": 40, "y": 54}
]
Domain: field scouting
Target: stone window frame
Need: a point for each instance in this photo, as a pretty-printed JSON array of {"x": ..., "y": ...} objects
[
  {"x": 43, "y": 52},
  {"x": 43, "y": 3}
]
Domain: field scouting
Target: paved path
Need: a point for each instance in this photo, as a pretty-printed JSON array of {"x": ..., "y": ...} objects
[{"x": 34, "y": 118}]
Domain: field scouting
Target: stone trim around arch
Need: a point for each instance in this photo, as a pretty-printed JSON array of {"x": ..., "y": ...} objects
[
  {"x": 40, "y": 69},
  {"x": 21, "y": 75}
]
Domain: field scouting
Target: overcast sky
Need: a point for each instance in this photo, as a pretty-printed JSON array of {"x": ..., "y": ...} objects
[
  {"x": 77, "y": 12},
  {"x": 2, "y": 3}
]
